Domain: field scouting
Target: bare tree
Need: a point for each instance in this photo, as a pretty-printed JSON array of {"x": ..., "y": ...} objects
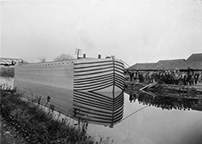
[
  {"x": 42, "y": 59},
  {"x": 63, "y": 57}
]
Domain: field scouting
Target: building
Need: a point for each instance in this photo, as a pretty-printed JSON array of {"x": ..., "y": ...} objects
[
  {"x": 193, "y": 62},
  {"x": 11, "y": 61}
]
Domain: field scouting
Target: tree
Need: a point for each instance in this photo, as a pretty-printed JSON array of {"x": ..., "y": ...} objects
[
  {"x": 63, "y": 57},
  {"x": 42, "y": 59}
]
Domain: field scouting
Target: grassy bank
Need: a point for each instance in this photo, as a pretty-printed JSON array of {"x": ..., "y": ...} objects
[{"x": 36, "y": 126}]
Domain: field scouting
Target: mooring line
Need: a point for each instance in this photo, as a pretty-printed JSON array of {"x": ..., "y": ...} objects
[{"x": 134, "y": 113}]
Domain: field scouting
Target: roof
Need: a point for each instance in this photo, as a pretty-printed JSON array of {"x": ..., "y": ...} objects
[
  {"x": 171, "y": 61},
  {"x": 141, "y": 66},
  {"x": 11, "y": 61},
  {"x": 194, "y": 62},
  {"x": 195, "y": 57}
]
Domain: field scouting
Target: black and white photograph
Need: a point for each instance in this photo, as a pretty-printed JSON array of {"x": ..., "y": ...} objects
[{"x": 101, "y": 71}]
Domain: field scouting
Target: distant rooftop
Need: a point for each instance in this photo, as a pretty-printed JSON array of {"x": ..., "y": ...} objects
[
  {"x": 195, "y": 57},
  {"x": 194, "y": 62},
  {"x": 10, "y": 61},
  {"x": 169, "y": 61}
]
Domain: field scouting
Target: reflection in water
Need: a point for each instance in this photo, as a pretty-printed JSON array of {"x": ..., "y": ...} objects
[{"x": 167, "y": 101}]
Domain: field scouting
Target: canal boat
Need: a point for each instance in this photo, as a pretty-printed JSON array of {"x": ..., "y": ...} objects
[{"x": 86, "y": 89}]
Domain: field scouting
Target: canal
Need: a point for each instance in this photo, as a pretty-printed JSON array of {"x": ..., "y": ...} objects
[
  {"x": 153, "y": 125},
  {"x": 145, "y": 123}
]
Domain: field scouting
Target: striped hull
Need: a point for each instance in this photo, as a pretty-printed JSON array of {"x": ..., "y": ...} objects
[{"x": 89, "y": 89}]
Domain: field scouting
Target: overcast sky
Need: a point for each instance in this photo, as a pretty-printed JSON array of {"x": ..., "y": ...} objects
[{"x": 132, "y": 30}]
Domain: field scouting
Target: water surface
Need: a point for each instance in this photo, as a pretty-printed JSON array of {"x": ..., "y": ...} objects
[{"x": 153, "y": 125}]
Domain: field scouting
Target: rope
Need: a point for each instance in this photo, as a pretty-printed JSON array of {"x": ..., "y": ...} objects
[{"x": 134, "y": 113}]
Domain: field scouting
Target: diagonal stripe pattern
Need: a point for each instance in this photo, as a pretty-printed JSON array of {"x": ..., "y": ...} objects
[{"x": 98, "y": 91}]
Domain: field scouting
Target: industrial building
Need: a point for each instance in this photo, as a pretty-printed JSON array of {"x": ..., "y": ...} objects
[{"x": 193, "y": 62}]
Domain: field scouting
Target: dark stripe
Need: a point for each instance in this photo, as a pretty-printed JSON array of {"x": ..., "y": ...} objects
[
  {"x": 119, "y": 109},
  {"x": 96, "y": 115},
  {"x": 119, "y": 96},
  {"x": 93, "y": 102},
  {"x": 118, "y": 105},
  {"x": 86, "y": 108},
  {"x": 119, "y": 86},
  {"x": 119, "y": 68},
  {"x": 91, "y": 105},
  {"x": 101, "y": 122},
  {"x": 121, "y": 78},
  {"x": 118, "y": 101},
  {"x": 92, "y": 81},
  {"x": 93, "y": 73},
  {"x": 94, "y": 62},
  {"x": 119, "y": 71},
  {"x": 96, "y": 99},
  {"x": 109, "y": 118},
  {"x": 92, "y": 84},
  {"x": 102, "y": 87},
  {"x": 119, "y": 63},
  {"x": 94, "y": 95},
  {"x": 85, "y": 99},
  {"x": 92, "y": 78},
  {"x": 89, "y": 70},
  {"x": 118, "y": 119},
  {"x": 117, "y": 115},
  {"x": 90, "y": 66},
  {"x": 97, "y": 87}
]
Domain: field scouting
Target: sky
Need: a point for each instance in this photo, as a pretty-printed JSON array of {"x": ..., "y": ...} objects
[{"x": 132, "y": 30}]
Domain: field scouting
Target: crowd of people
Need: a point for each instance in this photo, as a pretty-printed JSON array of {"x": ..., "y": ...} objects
[
  {"x": 186, "y": 77},
  {"x": 163, "y": 102}
]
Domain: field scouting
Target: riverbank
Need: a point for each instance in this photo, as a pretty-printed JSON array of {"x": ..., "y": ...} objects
[
  {"x": 8, "y": 135},
  {"x": 33, "y": 125}
]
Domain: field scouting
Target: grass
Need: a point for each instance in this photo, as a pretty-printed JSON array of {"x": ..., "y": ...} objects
[{"x": 36, "y": 126}]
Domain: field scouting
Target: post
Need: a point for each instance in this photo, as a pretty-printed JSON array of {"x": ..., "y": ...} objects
[
  {"x": 79, "y": 122},
  {"x": 78, "y": 53},
  {"x": 113, "y": 59}
]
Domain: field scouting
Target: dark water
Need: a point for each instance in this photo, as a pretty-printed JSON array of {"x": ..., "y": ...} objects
[
  {"x": 165, "y": 100},
  {"x": 163, "y": 119}
]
